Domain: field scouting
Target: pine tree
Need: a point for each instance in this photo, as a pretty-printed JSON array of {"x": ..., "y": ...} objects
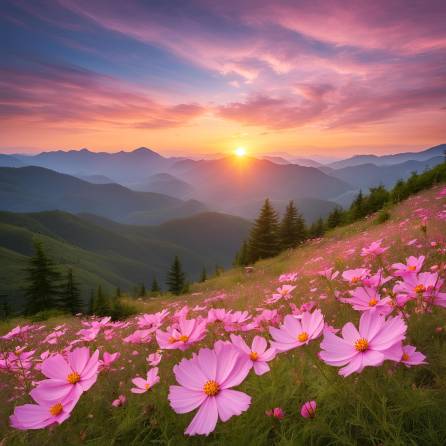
[
  {"x": 264, "y": 239},
  {"x": 203, "y": 277},
  {"x": 155, "y": 288},
  {"x": 334, "y": 218},
  {"x": 101, "y": 303},
  {"x": 70, "y": 295},
  {"x": 317, "y": 229},
  {"x": 91, "y": 302},
  {"x": 357, "y": 210},
  {"x": 142, "y": 293},
  {"x": 175, "y": 277},
  {"x": 43, "y": 286},
  {"x": 242, "y": 258},
  {"x": 292, "y": 228}
]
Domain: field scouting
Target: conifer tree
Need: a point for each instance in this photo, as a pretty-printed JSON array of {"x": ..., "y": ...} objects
[
  {"x": 317, "y": 229},
  {"x": 101, "y": 303},
  {"x": 143, "y": 290},
  {"x": 203, "y": 277},
  {"x": 70, "y": 295},
  {"x": 242, "y": 258},
  {"x": 91, "y": 302},
  {"x": 43, "y": 282},
  {"x": 155, "y": 288},
  {"x": 175, "y": 277},
  {"x": 292, "y": 228},
  {"x": 334, "y": 218},
  {"x": 264, "y": 239},
  {"x": 357, "y": 210}
]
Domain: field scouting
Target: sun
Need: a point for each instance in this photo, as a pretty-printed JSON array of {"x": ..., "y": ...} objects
[{"x": 240, "y": 152}]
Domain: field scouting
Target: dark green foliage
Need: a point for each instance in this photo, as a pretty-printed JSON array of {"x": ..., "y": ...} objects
[
  {"x": 47, "y": 314},
  {"x": 42, "y": 283},
  {"x": 317, "y": 229},
  {"x": 203, "y": 276},
  {"x": 91, "y": 302},
  {"x": 118, "y": 292},
  {"x": 357, "y": 209},
  {"x": 122, "y": 310},
  {"x": 334, "y": 218},
  {"x": 70, "y": 298},
  {"x": 383, "y": 216},
  {"x": 5, "y": 310},
  {"x": 176, "y": 277},
  {"x": 264, "y": 241},
  {"x": 102, "y": 305},
  {"x": 292, "y": 228},
  {"x": 142, "y": 291},
  {"x": 242, "y": 258},
  {"x": 155, "y": 288}
]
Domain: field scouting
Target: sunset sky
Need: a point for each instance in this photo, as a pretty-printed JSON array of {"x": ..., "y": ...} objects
[{"x": 192, "y": 77}]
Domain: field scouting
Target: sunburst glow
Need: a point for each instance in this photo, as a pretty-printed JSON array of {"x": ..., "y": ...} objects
[{"x": 240, "y": 151}]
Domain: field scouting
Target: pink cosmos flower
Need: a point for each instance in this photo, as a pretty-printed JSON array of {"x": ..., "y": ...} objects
[
  {"x": 412, "y": 265},
  {"x": 183, "y": 335},
  {"x": 378, "y": 339},
  {"x": 412, "y": 357},
  {"x": 368, "y": 299},
  {"x": 236, "y": 321},
  {"x": 294, "y": 333},
  {"x": 283, "y": 292},
  {"x": 108, "y": 359},
  {"x": 42, "y": 414},
  {"x": 426, "y": 284},
  {"x": 205, "y": 382},
  {"x": 373, "y": 250},
  {"x": 290, "y": 277},
  {"x": 154, "y": 359},
  {"x": 68, "y": 379},
  {"x": 217, "y": 315},
  {"x": 138, "y": 337},
  {"x": 308, "y": 409},
  {"x": 355, "y": 276},
  {"x": 120, "y": 401},
  {"x": 258, "y": 354},
  {"x": 329, "y": 274},
  {"x": 143, "y": 385},
  {"x": 276, "y": 412},
  {"x": 152, "y": 321}
]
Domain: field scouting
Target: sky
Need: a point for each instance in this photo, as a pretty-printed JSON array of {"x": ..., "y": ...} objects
[{"x": 316, "y": 77}]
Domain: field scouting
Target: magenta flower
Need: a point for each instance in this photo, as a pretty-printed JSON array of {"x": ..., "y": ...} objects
[
  {"x": 108, "y": 359},
  {"x": 308, "y": 409},
  {"x": 205, "y": 382},
  {"x": 373, "y": 250},
  {"x": 427, "y": 285},
  {"x": 283, "y": 292},
  {"x": 289, "y": 277},
  {"x": 294, "y": 332},
  {"x": 120, "y": 401},
  {"x": 258, "y": 354},
  {"x": 68, "y": 379},
  {"x": 154, "y": 359},
  {"x": 412, "y": 265},
  {"x": 368, "y": 299},
  {"x": 183, "y": 335},
  {"x": 143, "y": 385},
  {"x": 412, "y": 357},
  {"x": 355, "y": 276},
  {"x": 378, "y": 339},
  {"x": 276, "y": 412}
]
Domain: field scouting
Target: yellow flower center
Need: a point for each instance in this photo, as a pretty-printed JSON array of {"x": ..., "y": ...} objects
[
  {"x": 211, "y": 388},
  {"x": 420, "y": 288},
  {"x": 303, "y": 337},
  {"x": 56, "y": 409},
  {"x": 355, "y": 279},
  {"x": 183, "y": 338},
  {"x": 361, "y": 345},
  {"x": 405, "y": 357},
  {"x": 372, "y": 302},
  {"x": 172, "y": 340},
  {"x": 411, "y": 268},
  {"x": 254, "y": 356},
  {"x": 73, "y": 378},
  {"x": 147, "y": 386}
]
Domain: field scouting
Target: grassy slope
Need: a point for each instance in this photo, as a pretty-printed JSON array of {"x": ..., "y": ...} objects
[{"x": 382, "y": 406}]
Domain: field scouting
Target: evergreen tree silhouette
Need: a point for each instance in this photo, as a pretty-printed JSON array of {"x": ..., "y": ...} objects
[
  {"x": 292, "y": 228},
  {"x": 175, "y": 277},
  {"x": 70, "y": 295},
  {"x": 43, "y": 282},
  {"x": 264, "y": 239},
  {"x": 203, "y": 276},
  {"x": 155, "y": 288}
]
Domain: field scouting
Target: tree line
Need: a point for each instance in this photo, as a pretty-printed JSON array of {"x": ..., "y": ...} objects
[
  {"x": 269, "y": 236},
  {"x": 46, "y": 288}
]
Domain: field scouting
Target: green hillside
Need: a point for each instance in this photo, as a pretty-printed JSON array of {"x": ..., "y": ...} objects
[{"x": 111, "y": 254}]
